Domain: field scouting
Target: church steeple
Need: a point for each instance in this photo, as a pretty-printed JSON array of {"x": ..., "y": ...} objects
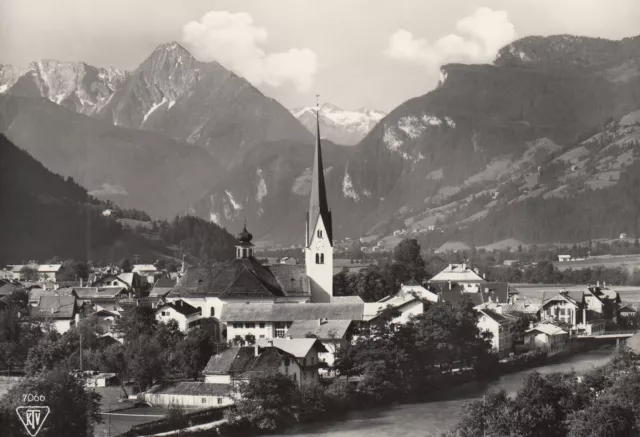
[
  {"x": 244, "y": 247},
  {"x": 318, "y": 205}
]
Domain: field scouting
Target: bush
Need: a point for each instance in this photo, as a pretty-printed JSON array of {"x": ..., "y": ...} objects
[{"x": 523, "y": 361}]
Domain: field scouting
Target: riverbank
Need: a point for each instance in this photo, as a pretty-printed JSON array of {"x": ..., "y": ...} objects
[{"x": 426, "y": 419}]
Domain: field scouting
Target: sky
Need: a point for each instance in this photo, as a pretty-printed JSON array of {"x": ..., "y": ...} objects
[{"x": 353, "y": 53}]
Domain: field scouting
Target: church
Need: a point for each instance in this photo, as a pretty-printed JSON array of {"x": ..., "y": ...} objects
[{"x": 248, "y": 286}]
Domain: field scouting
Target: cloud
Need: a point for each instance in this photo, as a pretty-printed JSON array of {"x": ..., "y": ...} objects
[
  {"x": 477, "y": 39},
  {"x": 235, "y": 41}
]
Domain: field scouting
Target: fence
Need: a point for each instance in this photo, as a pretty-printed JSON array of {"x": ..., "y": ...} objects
[{"x": 161, "y": 425}]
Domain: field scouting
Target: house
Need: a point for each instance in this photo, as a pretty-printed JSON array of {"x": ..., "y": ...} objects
[
  {"x": 413, "y": 287},
  {"x": 405, "y": 304},
  {"x": 146, "y": 271},
  {"x": 628, "y": 317},
  {"x": 189, "y": 395},
  {"x": 49, "y": 272},
  {"x": 237, "y": 364},
  {"x": 333, "y": 334},
  {"x": 546, "y": 337},
  {"x": 306, "y": 352},
  {"x": 273, "y": 320},
  {"x": 131, "y": 281},
  {"x": 180, "y": 311},
  {"x": 100, "y": 296},
  {"x": 500, "y": 326},
  {"x": 105, "y": 319},
  {"x": 101, "y": 380},
  {"x": 564, "y": 258},
  {"x": 61, "y": 311},
  {"x": 288, "y": 260},
  {"x": 571, "y": 306},
  {"x": 488, "y": 292},
  {"x": 458, "y": 274}
]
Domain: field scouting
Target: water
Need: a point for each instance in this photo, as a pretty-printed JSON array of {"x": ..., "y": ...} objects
[{"x": 425, "y": 419}]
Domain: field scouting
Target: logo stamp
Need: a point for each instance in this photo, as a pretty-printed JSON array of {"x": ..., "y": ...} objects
[{"x": 33, "y": 417}]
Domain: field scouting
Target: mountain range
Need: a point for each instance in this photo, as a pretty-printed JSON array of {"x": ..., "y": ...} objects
[
  {"x": 343, "y": 127},
  {"x": 180, "y": 135}
]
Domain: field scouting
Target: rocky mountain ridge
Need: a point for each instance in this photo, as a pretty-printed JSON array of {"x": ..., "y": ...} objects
[{"x": 337, "y": 125}]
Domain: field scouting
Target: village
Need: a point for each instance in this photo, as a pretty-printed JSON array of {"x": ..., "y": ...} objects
[{"x": 281, "y": 315}]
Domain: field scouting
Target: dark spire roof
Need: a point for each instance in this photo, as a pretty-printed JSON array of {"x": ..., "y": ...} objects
[
  {"x": 244, "y": 237},
  {"x": 318, "y": 205}
]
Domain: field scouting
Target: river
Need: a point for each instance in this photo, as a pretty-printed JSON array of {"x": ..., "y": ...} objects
[{"x": 426, "y": 419}]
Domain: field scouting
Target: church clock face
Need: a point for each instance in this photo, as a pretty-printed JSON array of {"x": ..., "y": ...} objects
[{"x": 319, "y": 245}]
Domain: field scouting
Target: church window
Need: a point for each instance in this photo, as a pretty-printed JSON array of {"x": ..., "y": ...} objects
[
  {"x": 319, "y": 233},
  {"x": 244, "y": 253},
  {"x": 322, "y": 258},
  {"x": 213, "y": 312},
  {"x": 317, "y": 258}
]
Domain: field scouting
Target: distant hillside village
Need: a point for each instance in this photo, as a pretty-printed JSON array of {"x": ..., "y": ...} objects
[{"x": 284, "y": 315}]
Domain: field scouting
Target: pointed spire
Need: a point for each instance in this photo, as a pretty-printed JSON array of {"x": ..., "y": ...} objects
[{"x": 318, "y": 205}]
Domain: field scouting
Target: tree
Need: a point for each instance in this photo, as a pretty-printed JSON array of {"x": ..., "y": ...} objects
[
  {"x": 29, "y": 274},
  {"x": 267, "y": 401},
  {"x": 73, "y": 410},
  {"x": 140, "y": 321},
  {"x": 409, "y": 262},
  {"x": 125, "y": 265},
  {"x": 176, "y": 418},
  {"x": 144, "y": 361},
  {"x": 604, "y": 418}
]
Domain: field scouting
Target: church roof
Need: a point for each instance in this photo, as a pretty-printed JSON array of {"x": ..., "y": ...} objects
[
  {"x": 241, "y": 278},
  {"x": 318, "y": 205},
  {"x": 290, "y": 312}
]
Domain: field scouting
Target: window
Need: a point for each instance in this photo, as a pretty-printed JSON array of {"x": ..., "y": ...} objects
[
  {"x": 213, "y": 312},
  {"x": 286, "y": 370},
  {"x": 322, "y": 258},
  {"x": 304, "y": 376},
  {"x": 304, "y": 361},
  {"x": 262, "y": 336},
  {"x": 204, "y": 400},
  {"x": 244, "y": 253},
  {"x": 236, "y": 325},
  {"x": 317, "y": 258},
  {"x": 286, "y": 362},
  {"x": 262, "y": 325},
  {"x": 219, "y": 401},
  {"x": 164, "y": 313},
  {"x": 250, "y": 325},
  {"x": 312, "y": 360},
  {"x": 295, "y": 376},
  {"x": 319, "y": 233}
]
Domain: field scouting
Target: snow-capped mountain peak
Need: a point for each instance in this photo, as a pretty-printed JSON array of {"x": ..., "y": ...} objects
[{"x": 346, "y": 127}]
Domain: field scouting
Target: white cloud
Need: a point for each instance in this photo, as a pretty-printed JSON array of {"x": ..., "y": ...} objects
[
  {"x": 477, "y": 39},
  {"x": 235, "y": 41}
]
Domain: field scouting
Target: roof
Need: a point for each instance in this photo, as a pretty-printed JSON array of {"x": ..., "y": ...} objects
[
  {"x": 572, "y": 296},
  {"x": 143, "y": 268},
  {"x": 190, "y": 389},
  {"x": 347, "y": 299},
  {"x": 57, "y": 307},
  {"x": 7, "y": 289},
  {"x": 524, "y": 307},
  {"x": 292, "y": 278},
  {"x": 412, "y": 283},
  {"x": 127, "y": 278},
  {"x": 298, "y": 347},
  {"x": 241, "y": 278},
  {"x": 327, "y": 330},
  {"x": 241, "y": 361},
  {"x": 457, "y": 273},
  {"x": 547, "y": 328},
  {"x": 318, "y": 205},
  {"x": 180, "y": 307},
  {"x": 162, "y": 286},
  {"x": 98, "y": 292},
  {"x": 289, "y": 312},
  {"x": 497, "y": 292},
  {"x": 46, "y": 268},
  {"x": 627, "y": 309},
  {"x": 502, "y": 320}
]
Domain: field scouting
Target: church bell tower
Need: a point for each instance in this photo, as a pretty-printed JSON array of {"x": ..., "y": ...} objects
[{"x": 319, "y": 239}]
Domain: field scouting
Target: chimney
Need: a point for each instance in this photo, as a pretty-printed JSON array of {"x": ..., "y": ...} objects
[
  {"x": 598, "y": 284},
  {"x": 449, "y": 285},
  {"x": 81, "y": 282},
  {"x": 256, "y": 351},
  {"x": 77, "y": 319}
]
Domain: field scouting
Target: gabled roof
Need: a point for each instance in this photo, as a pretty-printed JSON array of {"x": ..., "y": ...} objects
[
  {"x": 188, "y": 388},
  {"x": 292, "y": 279},
  {"x": 99, "y": 292},
  {"x": 327, "y": 330},
  {"x": 499, "y": 318},
  {"x": 627, "y": 309},
  {"x": 574, "y": 297},
  {"x": 241, "y": 278},
  {"x": 242, "y": 361},
  {"x": 56, "y": 307},
  {"x": 180, "y": 307},
  {"x": 412, "y": 283},
  {"x": 347, "y": 299},
  {"x": 126, "y": 278},
  {"x": 144, "y": 268},
  {"x": 298, "y": 347},
  {"x": 162, "y": 287},
  {"x": 49, "y": 268},
  {"x": 289, "y": 312},
  {"x": 457, "y": 273},
  {"x": 547, "y": 328}
]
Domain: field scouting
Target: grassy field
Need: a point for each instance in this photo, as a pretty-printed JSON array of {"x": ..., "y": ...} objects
[
  {"x": 339, "y": 264},
  {"x": 630, "y": 295},
  {"x": 629, "y": 262}
]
